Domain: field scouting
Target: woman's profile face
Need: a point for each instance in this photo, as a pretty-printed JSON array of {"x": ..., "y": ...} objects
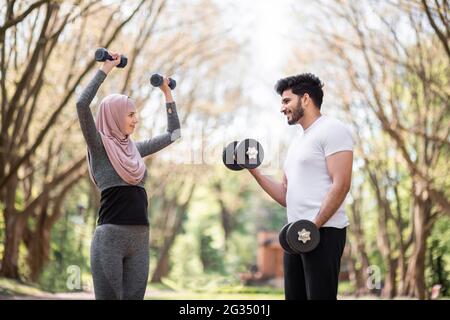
[{"x": 130, "y": 122}]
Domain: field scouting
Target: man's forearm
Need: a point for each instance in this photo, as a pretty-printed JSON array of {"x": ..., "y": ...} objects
[
  {"x": 333, "y": 200},
  {"x": 273, "y": 188}
]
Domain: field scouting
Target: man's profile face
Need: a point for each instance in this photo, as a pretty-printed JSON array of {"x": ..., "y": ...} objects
[{"x": 291, "y": 107}]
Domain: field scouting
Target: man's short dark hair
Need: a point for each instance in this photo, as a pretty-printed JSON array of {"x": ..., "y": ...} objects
[{"x": 301, "y": 84}]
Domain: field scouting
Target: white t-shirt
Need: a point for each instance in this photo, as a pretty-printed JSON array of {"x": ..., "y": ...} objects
[{"x": 306, "y": 169}]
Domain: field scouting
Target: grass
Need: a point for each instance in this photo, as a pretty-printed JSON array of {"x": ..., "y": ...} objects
[
  {"x": 163, "y": 291},
  {"x": 13, "y": 288},
  {"x": 169, "y": 290}
]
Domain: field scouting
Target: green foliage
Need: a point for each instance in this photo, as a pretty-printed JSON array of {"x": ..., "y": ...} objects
[
  {"x": 69, "y": 252},
  {"x": 211, "y": 257},
  {"x": 203, "y": 251},
  {"x": 241, "y": 253},
  {"x": 185, "y": 259},
  {"x": 438, "y": 260},
  {"x": 346, "y": 288}
]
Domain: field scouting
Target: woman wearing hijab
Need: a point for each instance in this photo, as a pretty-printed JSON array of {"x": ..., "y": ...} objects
[{"x": 120, "y": 245}]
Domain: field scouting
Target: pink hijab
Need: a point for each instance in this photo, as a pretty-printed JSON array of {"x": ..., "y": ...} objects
[{"x": 121, "y": 150}]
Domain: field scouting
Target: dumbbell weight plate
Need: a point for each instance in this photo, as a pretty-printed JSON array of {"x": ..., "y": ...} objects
[
  {"x": 303, "y": 236},
  {"x": 172, "y": 83},
  {"x": 123, "y": 62},
  {"x": 228, "y": 157},
  {"x": 101, "y": 54},
  {"x": 156, "y": 80},
  {"x": 249, "y": 154},
  {"x": 283, "y": 240}
]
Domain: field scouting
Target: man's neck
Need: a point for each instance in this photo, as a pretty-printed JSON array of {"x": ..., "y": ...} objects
[{"x": 308, "y": 119}]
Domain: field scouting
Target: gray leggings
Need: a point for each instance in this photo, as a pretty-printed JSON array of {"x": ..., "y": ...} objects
[{"x": 120, "y": 261}]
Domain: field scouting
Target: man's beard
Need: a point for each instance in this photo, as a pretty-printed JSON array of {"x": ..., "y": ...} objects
[{"x": 297, "y": 113}]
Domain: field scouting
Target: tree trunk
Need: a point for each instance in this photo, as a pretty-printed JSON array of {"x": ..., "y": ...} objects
[
  {"x": 402, "y": 245},
  {"x": 390, "y": 287},
  {"x": 15, "y": 225},
  {"x": 358, "y": 277},
  {"x": 38, "y": 246},
  {"x": 416, "y": 266},
  {"x": 383, "y": 242},
  {"x": 385, "y": 249},
  {"x": 227, "y": 222},
  {"x": 357, "y": 248},
  {"x": 14, "y": 229},
  {"x": 38, "y": 242},
  {"x": 161, "y": 269},
  {"x": 225, "y": 214}
]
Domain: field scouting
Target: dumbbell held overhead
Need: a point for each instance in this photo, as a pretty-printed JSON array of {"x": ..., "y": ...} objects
[
  {"x": 247, "y": 154},
  {"x": 157, "y": 80},
  {"x": 101, "y": 54}
]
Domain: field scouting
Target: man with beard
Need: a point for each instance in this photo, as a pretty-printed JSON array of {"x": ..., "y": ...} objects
[{"x": 316, "y": 180}]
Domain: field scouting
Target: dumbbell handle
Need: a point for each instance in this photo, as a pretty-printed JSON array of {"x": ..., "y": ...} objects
[{"x": 109, "y": 57}]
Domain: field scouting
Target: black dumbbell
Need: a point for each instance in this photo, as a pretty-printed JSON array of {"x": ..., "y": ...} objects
[
  {"x": 247, "y": 154},
  {"x": 101, "y": 54},
  {"x": 283, "y": 240},
  {"x": 156, "y": 80},
  {"x": 301, "y": 236}
]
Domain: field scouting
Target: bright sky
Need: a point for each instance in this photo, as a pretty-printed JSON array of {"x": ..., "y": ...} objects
[
  {"x": 271, "y": 30},
  {"x": 263, "y": 24}
]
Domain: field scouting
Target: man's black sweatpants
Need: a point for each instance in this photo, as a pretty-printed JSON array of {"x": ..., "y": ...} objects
[{"x": 314, "y": 275}]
